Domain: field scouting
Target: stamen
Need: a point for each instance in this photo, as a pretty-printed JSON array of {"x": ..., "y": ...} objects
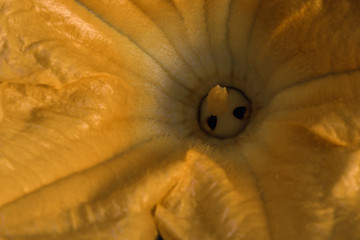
[{"x": 218, "y": 101}]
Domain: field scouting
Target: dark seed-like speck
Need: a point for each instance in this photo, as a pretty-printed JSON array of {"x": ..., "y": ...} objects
[
  {"x": 212, "y": 121},
  {"x": 239, "y": 112}
]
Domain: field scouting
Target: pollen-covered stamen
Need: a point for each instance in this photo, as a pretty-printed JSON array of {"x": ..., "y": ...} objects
[
  {"x": 218, "y": 101},
  {"x": 224, "y": 112}
]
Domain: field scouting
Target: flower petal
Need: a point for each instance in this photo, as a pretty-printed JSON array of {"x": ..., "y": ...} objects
[
  {"x": 111, "y": 199},
  {"x": 296, "y": 41},
  {"x": 206, "y": 204},
  {"x": 303, "y": 153}
]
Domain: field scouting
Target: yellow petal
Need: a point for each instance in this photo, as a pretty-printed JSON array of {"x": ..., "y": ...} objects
[
  {"x": 117, "y": 195},
  {"x": 206, "y": 204}
]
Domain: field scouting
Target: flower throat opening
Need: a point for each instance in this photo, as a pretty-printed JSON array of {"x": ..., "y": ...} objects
[{"x": 224, "y": 112}]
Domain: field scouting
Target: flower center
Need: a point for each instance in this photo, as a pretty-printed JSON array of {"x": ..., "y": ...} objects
[{"x": 224, "y": 112}]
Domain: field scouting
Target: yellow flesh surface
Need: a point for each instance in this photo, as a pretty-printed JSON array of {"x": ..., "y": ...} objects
[{"x": 99, "y": 136}]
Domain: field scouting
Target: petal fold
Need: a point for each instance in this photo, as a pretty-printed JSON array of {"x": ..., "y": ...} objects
[
  {"x": 113, "y": 198},
  {"x": 208, "y": 206}
]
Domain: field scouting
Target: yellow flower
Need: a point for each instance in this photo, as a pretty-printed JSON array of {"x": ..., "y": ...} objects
[{"x": 110, "y": 126}]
